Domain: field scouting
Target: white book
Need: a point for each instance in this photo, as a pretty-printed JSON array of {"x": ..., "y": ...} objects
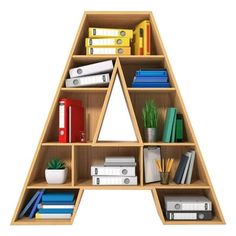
[
  {"x": 119, "y": 163},
  {"x": 92, "y": 80},
  {"x": 120, "y": 159},
  {"x": 190, "y": 169},
  {"x": 114, "y": 180},
  {"x": 113, "y": 170},
  {"x": 188, "y": 154},
  {"x": 46, "y": 206},
  {"x": 91, "y": 69},
  {"x": 52, "y": 216},
  {"x": 151, "y": 154}
]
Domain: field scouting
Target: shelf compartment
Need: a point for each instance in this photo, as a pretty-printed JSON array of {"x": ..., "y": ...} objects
[
  {"x": 85, "y": 157},
  {"x": 93, "y": 106},
  {"x": 26, "y": 198},
  {"x": 46, "y": 153},
  {"x": 158, "y": 195},
  {"x": 115, "y": 20}
]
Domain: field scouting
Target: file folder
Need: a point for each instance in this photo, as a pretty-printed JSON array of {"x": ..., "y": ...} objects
[
  {"x": 108, "y": 51},
  {"x": 106, "y": 42}
]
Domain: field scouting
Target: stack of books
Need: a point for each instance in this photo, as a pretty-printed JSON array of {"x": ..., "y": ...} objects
[
  {"x": 95, "y": 74},
  {"x": 173, "y": 126},
  {"x": 115, "y": 171},
  {"x": 151, "y": 78},
  {"x": 56, "y": 205},
  {"x": 102, "y": 41},
  {"x": 183, "y": 174}
]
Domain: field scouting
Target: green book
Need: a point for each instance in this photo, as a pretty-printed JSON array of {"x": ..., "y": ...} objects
[
  {"x": 173, "y": 129},
  {"x": 168, "y": 126},
  {"x": 179, "y": 134}
]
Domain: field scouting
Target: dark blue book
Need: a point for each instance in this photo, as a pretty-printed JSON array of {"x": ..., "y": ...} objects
[
  {"x": 29, "y": 204},
  {"x": 150, "y": 85},
  {"x": 151, "y": 79},
  {"x": 58, "y": 202},
  {"x": 151, "y": 72},
  {"x": 180, "y": 169},
  {"x": 55, "y": 211},
  {"x": 58, "y": 196},
  {"x": 34, "y": 209}
]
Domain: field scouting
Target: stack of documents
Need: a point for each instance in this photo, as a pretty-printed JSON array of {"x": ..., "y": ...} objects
[
  {"x": 115, "y": 171},
  {"x": 102, "y": 41},
  {"x": 96, "y": 74}
]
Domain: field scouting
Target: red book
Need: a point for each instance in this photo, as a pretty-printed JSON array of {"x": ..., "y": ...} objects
[{"x": 71, "y": 124}]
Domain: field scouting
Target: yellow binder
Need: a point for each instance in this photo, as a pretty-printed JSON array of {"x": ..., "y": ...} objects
[
  {"x": 108, "y": 32},
  {"x": 142, "y": 41},
  {"x": 108, "y": 50},
  {"x": 106, "y": 42}
]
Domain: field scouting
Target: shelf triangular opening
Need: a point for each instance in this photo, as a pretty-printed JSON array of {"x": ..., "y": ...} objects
[{"x": 117, "y": 104}]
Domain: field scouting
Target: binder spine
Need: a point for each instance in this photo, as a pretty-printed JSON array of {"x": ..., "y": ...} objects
[
  {"x": 112, "y": 171},
  {"x": 106, "y": 42},
  {"x": 199, "y": 215},
  {"x": 108, "y": 51},
  {"x": 62, "y": 122},
  {"x": 114, "y": 180}
]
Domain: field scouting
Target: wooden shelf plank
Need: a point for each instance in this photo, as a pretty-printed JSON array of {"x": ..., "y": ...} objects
[
  {"x": 147, "y": 90},
  {"x": 86, "y": 90},
  {"x": 117, "y": 144},
  {"x": 27, "y": 221},
  {"x": 170, "y": 144},
  {"x": 66, "y": 144},
  {"x": 42, "y": 184}
]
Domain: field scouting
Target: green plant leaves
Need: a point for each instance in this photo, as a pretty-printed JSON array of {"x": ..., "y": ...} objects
[
  {"x": 150, "y": 114},
  {"x": 56, "y": 164}
]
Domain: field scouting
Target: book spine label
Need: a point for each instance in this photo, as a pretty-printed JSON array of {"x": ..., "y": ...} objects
[
  {"x": 114, "y": 180},
  {"x": 121, "y": 171}
]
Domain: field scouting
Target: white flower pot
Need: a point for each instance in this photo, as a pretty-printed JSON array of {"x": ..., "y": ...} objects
[{"x": 56, "y": 176}]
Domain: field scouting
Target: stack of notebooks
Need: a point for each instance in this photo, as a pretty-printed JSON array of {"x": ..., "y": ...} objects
[
  {"x": 49, "y": 205},
  {"x": 188, "y": 207},
  {"x": 115, "y": 171},
  {"x": 173, "y": 126},
  {"x": 102, "y": 41},
  {"x": 151, "y": 78},
  {"x": 183, "y": 174},
  {"x": 96, "y": 74},
  {"x": 56, "y": 205}
]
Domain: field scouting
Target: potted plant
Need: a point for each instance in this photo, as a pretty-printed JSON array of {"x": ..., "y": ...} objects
[
  {"x": 150, "y": 118},
  {"x": 56, "y": 172}
]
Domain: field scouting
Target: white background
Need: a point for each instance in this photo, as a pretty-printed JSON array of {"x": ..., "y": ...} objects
[{"x": 35, "y": 40}]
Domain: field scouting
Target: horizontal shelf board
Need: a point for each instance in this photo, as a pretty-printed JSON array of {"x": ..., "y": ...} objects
[
  {"x": 93, "y": 57},
  {"x": 43, "y": 184},
  {"x": 195, "y": 185},
  {"x": 215, "y": 220},
  {"x": 169, "y": 144},
  {"x": 27, "y": 221},
  {"x": 86, "y": 90},
  {"x": 147, "y": 90},
  {"x": 120, "y": 144},
  {"x": 66, "y": 144}
]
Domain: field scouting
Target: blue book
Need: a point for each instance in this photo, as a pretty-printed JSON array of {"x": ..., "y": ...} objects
[
  {"x": 151, "y": 72},
  {"x": 58, "y": 196},
  {"x": 151, "y": 79},
  {"x": 150, "y": 85},
  {"x": 34, "y": 209},
  {"x": 180, "y": 169},
  {"x": 55, "y": 211},
  {"x": 29, "y": 204},
  {"x": 58, "y": 202}
]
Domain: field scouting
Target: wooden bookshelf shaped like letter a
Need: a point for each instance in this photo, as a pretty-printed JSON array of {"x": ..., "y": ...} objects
[{"x": 80, "y": 156}]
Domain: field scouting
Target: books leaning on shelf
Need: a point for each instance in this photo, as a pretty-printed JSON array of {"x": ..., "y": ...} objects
[
  {"x": 115, "y": 171},
  {"x": 173, "y": 126},
  {"x": 151, "y": 78},
  {"x": 95, "y": 74},
  {"x": 56, "y": 205},
  {"x": 183, "y": 174},
  {"x": 188, "y": 207},
  {"x": 103, "y": 41}
]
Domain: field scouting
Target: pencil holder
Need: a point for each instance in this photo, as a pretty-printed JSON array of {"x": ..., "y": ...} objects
[{"x": 165, "y": 177}]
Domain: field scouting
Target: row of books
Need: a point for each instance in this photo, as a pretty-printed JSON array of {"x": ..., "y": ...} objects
[
  {"x": 90, "y": 75},
  {"x": 151, "y": 78},
  {"x": 173, "y": 126},
  {"x": 115, "y": 171},
  {"x": 49, "y": 205},
  {"x": 103, "y": 41}
]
